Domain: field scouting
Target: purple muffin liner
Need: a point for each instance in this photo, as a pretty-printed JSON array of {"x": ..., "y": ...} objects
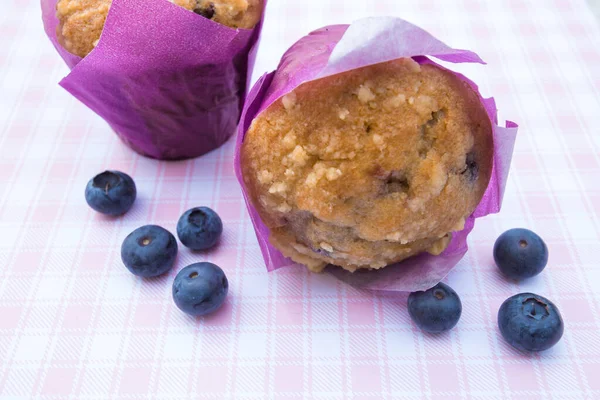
[
  {"x": 170, "y": 83},
  {"x": 340, "y": 48}
]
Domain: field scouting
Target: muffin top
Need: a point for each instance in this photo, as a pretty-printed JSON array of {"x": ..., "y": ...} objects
[
  {"x": 388, "y": 157},
  {"x": 81, "y": 21}
]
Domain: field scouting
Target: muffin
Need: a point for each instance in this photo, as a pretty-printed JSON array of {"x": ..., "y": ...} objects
[
  {"x": 369, "y": 167},
  {"x": 81, "y": 21}
]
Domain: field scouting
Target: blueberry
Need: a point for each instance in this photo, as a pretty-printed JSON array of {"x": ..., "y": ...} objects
[
  {"x": 520, "y": 253},
  {"x": 149, "y": 251},
  {"x": 471, "y": 170},
  {"x": 207, "y": 12},
  {"x": 111, "y": 193},
  {"x": 530, "y": 322},
  {"x": 435, "y": 310},
  {"x": 200, "y": 288},
  {"x": 199, "y": 228}
]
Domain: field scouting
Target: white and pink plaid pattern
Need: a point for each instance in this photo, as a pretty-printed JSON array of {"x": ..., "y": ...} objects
[{"x": 74, "y": 324}]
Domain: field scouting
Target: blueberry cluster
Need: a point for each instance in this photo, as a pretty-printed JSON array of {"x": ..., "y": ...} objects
[
  {"x": 527, "y": 321},
  {"x": 151, "y": 250}
]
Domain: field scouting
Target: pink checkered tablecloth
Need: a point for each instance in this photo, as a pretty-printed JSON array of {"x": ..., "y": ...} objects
[{"x": 75, "y": 324}]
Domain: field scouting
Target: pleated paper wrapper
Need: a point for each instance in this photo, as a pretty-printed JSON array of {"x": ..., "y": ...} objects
[
  {"x": 341, "y": 48},
  {"x": 169, "y": 82}
]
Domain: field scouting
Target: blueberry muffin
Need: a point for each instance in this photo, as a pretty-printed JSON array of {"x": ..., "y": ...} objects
[
  {"x": 81, "y": 21},
  {"x": 369, "y": 167}
]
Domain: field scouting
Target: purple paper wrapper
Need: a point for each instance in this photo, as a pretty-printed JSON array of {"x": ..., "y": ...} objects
[
  {"x": 340, "y": 48},
  {"x": 169, "y": 82}
]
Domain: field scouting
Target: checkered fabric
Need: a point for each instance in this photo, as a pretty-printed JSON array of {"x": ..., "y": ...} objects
[{"x": 74, "y": 324}]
